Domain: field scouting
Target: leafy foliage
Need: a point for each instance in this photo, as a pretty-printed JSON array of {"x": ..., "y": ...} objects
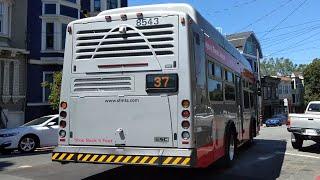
[
  {"x": 312, "y": 81},
  {"x": 55, "y": 88},
  {"x": 280, "y": 66}
]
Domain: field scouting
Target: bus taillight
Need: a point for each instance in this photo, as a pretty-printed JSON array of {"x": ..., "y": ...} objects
[
  {"x": 64, "y": 105},
  {"x": 185, "y": 135},
  {"x": 185, "y": 124},
  {"x": 63, "y": 114},
  {"x": 62, "y": 124},
  {"x": 62, "y": 133},
  {"x": 185, "y": 103},
  {"x": 186, "y": 113}
]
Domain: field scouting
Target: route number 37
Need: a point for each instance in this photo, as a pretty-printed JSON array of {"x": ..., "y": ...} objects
[
  {"x": 147, "y": 21},
  {"x": 161, "y": 81}
]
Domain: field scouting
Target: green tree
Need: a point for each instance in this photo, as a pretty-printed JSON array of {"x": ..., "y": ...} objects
[
  {"x": 279, "y": 66},
  {"x": 55, "y": 88},
  {"x": 311, "y": 75}
]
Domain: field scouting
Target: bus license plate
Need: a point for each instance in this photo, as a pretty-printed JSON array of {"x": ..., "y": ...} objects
[
  {"x": 311, "y": 132},
  {"x": 161, "y": 83}
]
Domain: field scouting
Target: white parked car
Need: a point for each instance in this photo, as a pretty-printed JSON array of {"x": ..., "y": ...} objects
[{"x": 39, "y": 132}]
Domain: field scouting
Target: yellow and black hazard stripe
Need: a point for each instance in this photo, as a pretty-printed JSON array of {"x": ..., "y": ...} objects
[
  {"x": 122, "y": 159},
  {"x": 176, "y": 161},
  {"x": 61, "y": 156}
]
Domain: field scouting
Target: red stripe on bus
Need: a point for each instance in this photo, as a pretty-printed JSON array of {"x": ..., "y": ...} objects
[
  {"x": 122, "y": 65},
  {"x": 209, "y": 153}
]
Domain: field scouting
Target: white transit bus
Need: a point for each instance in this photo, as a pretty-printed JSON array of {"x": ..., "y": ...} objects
[{"x": 153, "y": 85}]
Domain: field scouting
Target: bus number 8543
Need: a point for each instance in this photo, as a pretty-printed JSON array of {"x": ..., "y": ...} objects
[{"x": 147, "y": 21}]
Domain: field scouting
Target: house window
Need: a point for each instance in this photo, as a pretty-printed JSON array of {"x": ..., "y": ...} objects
[
  {"x": 217, "y": 71},
  {"x": 229, "y": 76},
  {"x": 112, "y": 4},
  {"x": 50, "y": 9},
  {"x": 1, "y": 16},
  {"x": 210, "y": 69},
  {"x": 4, "y": 18},
  {"x": 215, "y": 90},
  {"x": 47, "y": 77},
  {"x": 63, "y": 35},
  {"x": 230, "y": 92},
  {"x": 49, "y": 35},
  {"x": 97, "y": 5}
]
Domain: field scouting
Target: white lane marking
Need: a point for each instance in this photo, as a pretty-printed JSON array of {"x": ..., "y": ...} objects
[
  {"x": 300, "y": 155},
  {"x": 266, "y": 157},
  {"x": 25, "y": 166}
]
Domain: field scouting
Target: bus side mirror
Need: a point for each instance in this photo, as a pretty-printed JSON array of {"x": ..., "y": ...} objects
[{"x": 259, "y": 92}]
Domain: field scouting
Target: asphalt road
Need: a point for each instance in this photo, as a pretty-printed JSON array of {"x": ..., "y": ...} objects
[{"x": 271, "y": 157}]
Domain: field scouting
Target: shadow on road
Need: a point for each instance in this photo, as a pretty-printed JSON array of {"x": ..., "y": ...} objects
[
  {"x": 257, "y": 162},
  {"x": 18, "y": 154},
  {"x": 315, "y": 148},
  {"x": 4, "y": 164}
]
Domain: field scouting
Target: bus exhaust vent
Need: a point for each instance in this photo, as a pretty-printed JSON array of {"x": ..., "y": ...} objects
[
  {"x": 143, "y": 41},
  {"x": 103, "y": 84}
]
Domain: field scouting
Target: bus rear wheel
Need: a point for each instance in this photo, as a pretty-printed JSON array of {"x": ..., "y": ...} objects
[{"x": 230, "y": 148}]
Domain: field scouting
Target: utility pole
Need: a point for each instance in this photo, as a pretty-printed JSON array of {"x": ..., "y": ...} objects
[{"x": 259, "y": 86}]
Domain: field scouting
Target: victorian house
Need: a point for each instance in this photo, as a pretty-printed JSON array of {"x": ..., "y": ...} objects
[
  {"x": 13, "y": 60},
  {"x": 46, "y": 29}
]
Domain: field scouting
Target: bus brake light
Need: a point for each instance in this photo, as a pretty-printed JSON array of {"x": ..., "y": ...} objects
[
  {"x": 64, "y": 105},
  {"x": 186, "y": 113},
  {"x": 185, "y": 124}
]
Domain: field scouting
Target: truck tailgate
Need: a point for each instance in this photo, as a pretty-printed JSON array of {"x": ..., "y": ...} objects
[{"x": 311, "y": 121}]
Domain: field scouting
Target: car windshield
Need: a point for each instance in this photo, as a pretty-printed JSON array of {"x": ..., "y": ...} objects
[
  {"x": 314, "y": 108},
  {"x": 37, "y": 121}
]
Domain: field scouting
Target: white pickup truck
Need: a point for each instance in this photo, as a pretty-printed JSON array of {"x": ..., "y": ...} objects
[{"x": 305, "y": 126}]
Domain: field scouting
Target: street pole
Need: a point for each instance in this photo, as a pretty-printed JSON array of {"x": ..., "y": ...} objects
[{"x": 259, "y": 86}]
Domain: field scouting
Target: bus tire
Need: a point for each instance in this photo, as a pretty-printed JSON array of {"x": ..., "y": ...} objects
[{"x": 230, "y": 147}]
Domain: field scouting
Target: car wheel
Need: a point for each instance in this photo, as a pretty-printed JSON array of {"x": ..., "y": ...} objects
[
  {"x": 27, "y": 144},
  {"x": 230, "y": 148},
  {"x": 296, "y": 141}
]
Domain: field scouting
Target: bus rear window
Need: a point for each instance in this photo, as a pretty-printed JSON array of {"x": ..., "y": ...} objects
[{"x": 161, "y": 83}]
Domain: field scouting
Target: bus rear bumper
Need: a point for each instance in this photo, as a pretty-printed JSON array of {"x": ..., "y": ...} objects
[{"x": 125, "y": 155}]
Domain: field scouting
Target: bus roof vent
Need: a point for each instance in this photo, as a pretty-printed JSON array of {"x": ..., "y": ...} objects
[
  {"x": 134, "y": 42},
  {"x": 103, "y": 84}
]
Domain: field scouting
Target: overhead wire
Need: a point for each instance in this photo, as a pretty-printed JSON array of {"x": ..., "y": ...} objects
[
  {"x": 290, "y": 26},
  {"x": 286, "y": 39},
  {"x": 294, "y": 32},
  {"x": 235, "y": 6},
  {"x": 266, "y": 15},
  {"x": 296, "y": 44},
  {"x": 285, "y": 18}
]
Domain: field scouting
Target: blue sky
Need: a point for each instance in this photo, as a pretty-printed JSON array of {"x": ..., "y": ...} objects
[{"x": 285, "y": 28}]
